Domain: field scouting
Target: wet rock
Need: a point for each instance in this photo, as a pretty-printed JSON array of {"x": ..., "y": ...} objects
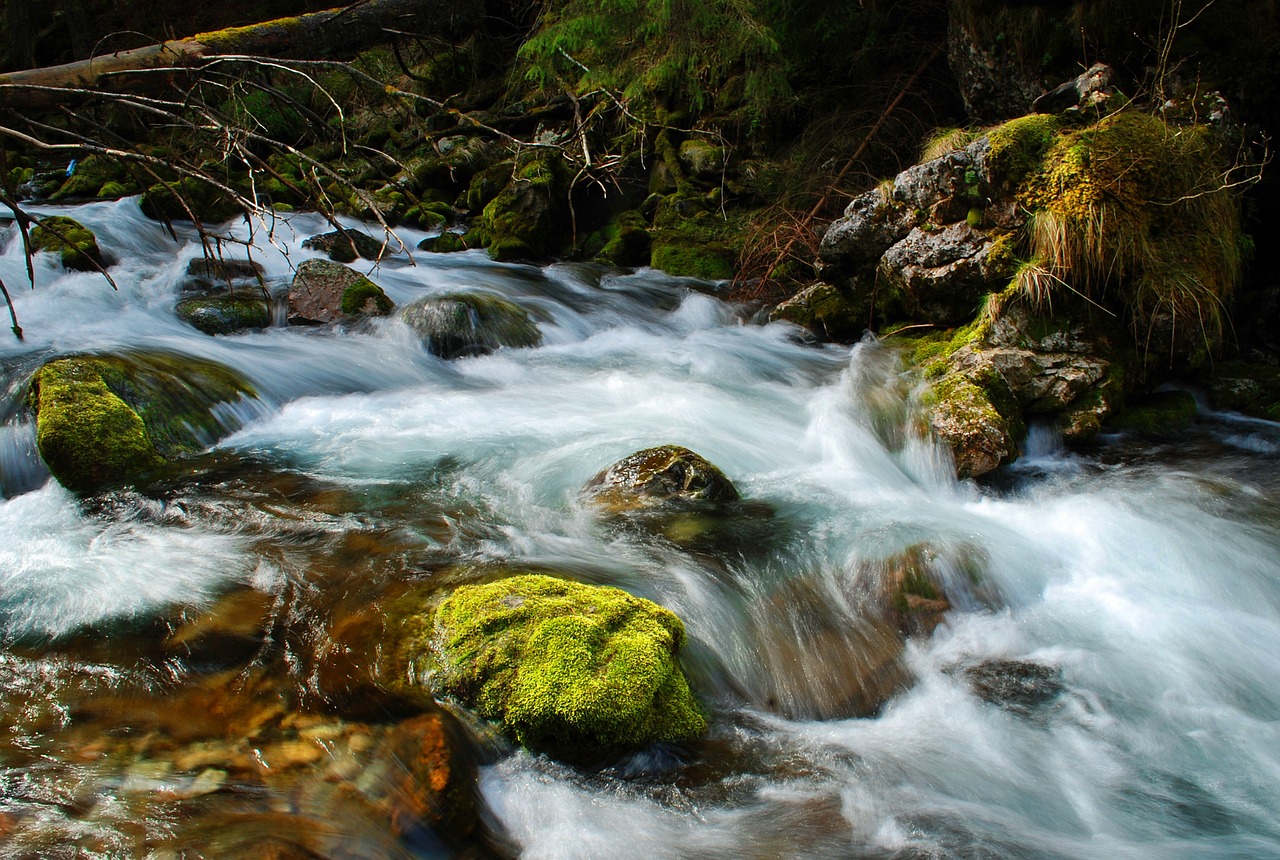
[
  {"x": 185, "y": 198},
  {"x": 429, "y": 781},
  {"x": 108, "y": 420},
  {"x": 702, "y": 160},
  {"x": 205, "y": 274},
  {"x": 828, "y": 313},
  {"x": 457, "y": 325},
  {"x": 577, "y": 670},
  {"x": 669, "y": 476},
  {"x": 347, "y": 245},
  {"x": 1252, "y": 388},
  {"x": 943, "y": 274},
  {"x": 75, "y": 243},
  {"x": 325, "y": 292},
  {"x": 227, "y": 634},
  {"x": 226, "y": 313},
  {"x": 445, "y": 243},
  {"x": 1019, "y": 686},
  {"x": 914, "y": 594},
  {"x": 964, "y": 414}
]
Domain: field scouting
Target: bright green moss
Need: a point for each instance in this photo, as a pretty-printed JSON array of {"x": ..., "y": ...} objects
[
  {"x": 1018, "y": 147},
  {"x": 87, "y": 435},
  {"x": 365, "y": 297},
  {"x": 225, "y": 314},
  {"x": 564, "y": 667},
  {"x": 75, "y": 243}
]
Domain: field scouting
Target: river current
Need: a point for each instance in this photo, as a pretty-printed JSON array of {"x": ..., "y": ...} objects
[{"x": 1128, "y": 595}]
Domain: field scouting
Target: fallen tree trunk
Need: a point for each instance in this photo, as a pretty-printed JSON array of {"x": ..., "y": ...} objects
[{"x": 333, "y": 33}]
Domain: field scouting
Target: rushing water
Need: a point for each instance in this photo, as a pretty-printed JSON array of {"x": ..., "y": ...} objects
[{"x": 1130, "y": 594}]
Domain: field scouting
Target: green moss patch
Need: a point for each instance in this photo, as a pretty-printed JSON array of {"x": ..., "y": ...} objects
[
  {"x": 75, "y": 243},
  {"x": 365, "y": 297},
  {"x": 564, "y": 667},
  {"x": 88, "y": 436}
]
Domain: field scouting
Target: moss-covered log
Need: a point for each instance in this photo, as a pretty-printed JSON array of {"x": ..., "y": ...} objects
[{"x": 334, "y": 33}]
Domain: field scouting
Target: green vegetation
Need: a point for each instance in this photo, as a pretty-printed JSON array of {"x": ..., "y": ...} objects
[
  {"x": 74, "y": 243},
  {"x": 561, "y": 666},
  {"x": 365, "y": 297},
  {"x": 87, "y": 435},
  {"x": 1131, "y": 212}
]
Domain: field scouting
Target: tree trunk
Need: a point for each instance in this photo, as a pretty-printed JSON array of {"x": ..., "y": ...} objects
[
  {"x": 331, "y": 34},
  {"x": 21, "y": 33}
]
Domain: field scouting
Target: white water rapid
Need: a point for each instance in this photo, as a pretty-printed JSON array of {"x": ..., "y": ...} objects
[{"x": 1129, "y": 596}]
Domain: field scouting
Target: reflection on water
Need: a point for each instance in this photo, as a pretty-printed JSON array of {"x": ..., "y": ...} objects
[{"x": 1073, "y": 660}]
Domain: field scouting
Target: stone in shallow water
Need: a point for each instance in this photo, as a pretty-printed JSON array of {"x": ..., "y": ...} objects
[
  {"x": 325, "y": 292},
  {"x": 667, "y": 476},
  {"x": 465, "y": 324},
  {"x": 576, "y": 670},
  {"x": 1019, "y": 686}
]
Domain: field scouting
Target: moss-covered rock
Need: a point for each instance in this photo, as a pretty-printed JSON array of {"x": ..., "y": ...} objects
[
  {"x": 347, "y": 245},
  {"x": 87, "y": 435},
  {"x": 684, "y": 256},
  {"x": 529, "y": 218},
  {"x": 669, "y": 476},
  {"x": 91, "y": 176},
  {"x": 825, "y": 311},
  {"x": 107, "y": 420},
  {"x": 465, "y": 324},
  {"x": 977, "y": 419},
  {"x": 324, "y": 292},
  {"x": 625, "y": 241},
  {"x": 445, "y": 243},
  {"x": 225, "y": 314},
  {"x": 577, "y": 670},
  {"x": 75, "y": 243}
]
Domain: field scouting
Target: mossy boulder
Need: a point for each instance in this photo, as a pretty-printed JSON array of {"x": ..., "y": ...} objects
[
  {"x": 103, "y": 421},
  {"x": 208, "y": 273},
  {"x": 625, "y": 241},
  {"x": 456, "y": 325},
  {"x": 572, "y": 669},
  {"x": 827, "y": 312},
  {"x": 346, "y": 246},
  {"x": 91, "y": 177},
  {"x": 324, "y": 292},
  {"x": 529, "y": 219},
  {"x": 669, "y": 476},
  {"x": 75, "y": 243},
  {"x": 685, "y": 256},
  {"x": 445, "y": 243},
  {"x": 182, "y": 198},
  {"x": 977, "y": 419},
  {"x": 225, "y": 314}
]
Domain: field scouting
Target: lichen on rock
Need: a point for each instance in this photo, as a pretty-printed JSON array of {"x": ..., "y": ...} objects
[
  {"x": 576, "y": 670},
  {"x": 669, "y": 476}
]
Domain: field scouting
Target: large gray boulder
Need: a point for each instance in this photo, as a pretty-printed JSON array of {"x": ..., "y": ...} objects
[{"x": 326, "y": 292}]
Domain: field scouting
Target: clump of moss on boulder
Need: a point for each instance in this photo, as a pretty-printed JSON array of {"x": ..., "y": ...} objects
[
  {"x": 346, "y": 246},
  {"x": 103, "y": 421},
  {"x": 72, "y": 241},
  {"x": 529, "y": 219},
  {"x": 182, "y": 198},
  {"x": 572, "y": 669},
  {"x": 456, "y": 325}
]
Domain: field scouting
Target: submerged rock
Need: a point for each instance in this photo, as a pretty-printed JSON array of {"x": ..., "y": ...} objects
[
  {"x": 75, "y": 243},
  {"x": 818, "y": 660},
  {"x": 325, "y": 292},
  {"x": 1019, "y": 686},
  {"x": 108, "y": 420},
  {"x": 576, "y": 670},
  {"x": 209, "y": 273},
  {"x": 465, "y": 324}
]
